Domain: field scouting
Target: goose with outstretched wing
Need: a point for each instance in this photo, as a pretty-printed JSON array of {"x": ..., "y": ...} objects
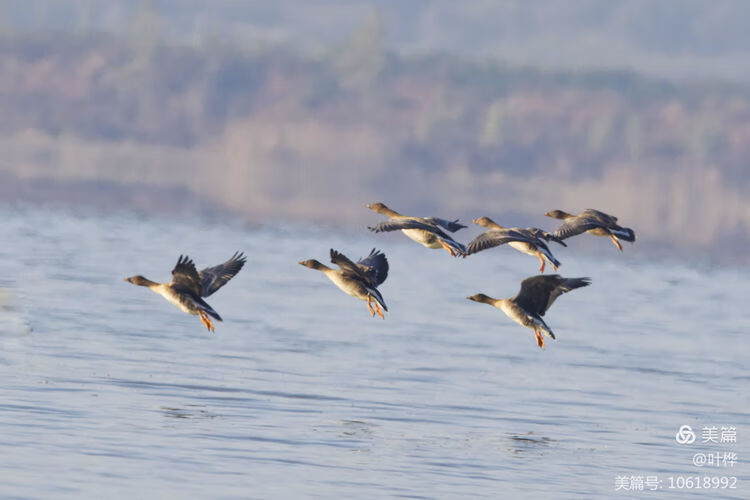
[
  {"x": 188, "y": 286},
  {"x": 537, "y": 294},
  {"x": 529, "y": 241},
  {"x": 359, "y": 279},
  {"x": 592, "y": 222},
  {"x": 427, "y": 231}
]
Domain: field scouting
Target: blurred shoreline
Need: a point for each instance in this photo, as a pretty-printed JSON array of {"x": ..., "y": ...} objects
[{"x": 275, "y": 133}]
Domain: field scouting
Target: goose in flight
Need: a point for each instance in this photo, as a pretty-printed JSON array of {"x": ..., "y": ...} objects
[
  {"x": 359, "y": 279},
  {"x": 424, "y": 230},
  {"x": 593, "y": 222},
  {"x": 529, "y": 241},
  {"x": 536, "y": 296},
  {"x": 188, "y": 286}
]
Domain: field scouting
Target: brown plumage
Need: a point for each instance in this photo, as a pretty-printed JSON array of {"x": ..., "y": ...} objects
[
  {"x": 528, "y": 241},
  {"x": 427, "y": 231},
  {"x": 593, "y": 222},
  {"x": 537, "y": 294},
  {"x": 360, "y": 279},
  {"x": 188, "y": 286}
]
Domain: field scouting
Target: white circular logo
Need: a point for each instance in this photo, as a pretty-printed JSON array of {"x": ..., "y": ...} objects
[{"x": 685, "y": 435}]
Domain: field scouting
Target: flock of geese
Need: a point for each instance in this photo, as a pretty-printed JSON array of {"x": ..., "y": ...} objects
[{"x": 361, "y": 279}]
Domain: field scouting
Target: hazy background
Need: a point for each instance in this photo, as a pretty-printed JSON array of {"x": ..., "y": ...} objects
[{"x": 304, "y": 111}]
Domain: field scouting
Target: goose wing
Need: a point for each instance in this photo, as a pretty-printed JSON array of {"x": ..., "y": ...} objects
[
  {"x": 418, "y": 223},
  {"x": 213, "y": 278},
  {"x": 451, "y": 226},
  {"x": 375, "y": 266},
  {"x": 609, "y": 222},
  {"x": 349, "y": 267},
  {"x": 496, "y": 237},
  {"x": 596, "y": 214},
  {"x": 538, "y": 293},
  {"x": 185, "y": 278},
  {"x": 576, "y": 225},
  {"x": 544, "y": 235},
  {"x": 399, "y": 223}
]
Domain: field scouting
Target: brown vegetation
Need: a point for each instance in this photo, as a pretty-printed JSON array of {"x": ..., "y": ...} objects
[{"x": 274, "y": 133}]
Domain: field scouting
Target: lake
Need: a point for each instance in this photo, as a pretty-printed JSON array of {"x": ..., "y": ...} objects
[{"x": 109, "y": 391}]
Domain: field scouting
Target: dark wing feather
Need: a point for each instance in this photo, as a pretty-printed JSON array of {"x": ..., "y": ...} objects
[
  {"x": 576, "y": 225},
  {"x": 535, "y": 292},
  {"x": 451, "y": 226},
  {"x": 455, "y": 245},
  {"x": 213, "y": 278},
  {"x": 348, "y": 266},
  {"x": 496, "y": 237},
  {"x": 538, "y": 293},
  {"x": 417, "y": 223},
  {"x": 408, "y": 223},
  {"x": 375, "y": 266},
  {"x": 596, "y": 214},
  {"x": 566, "y": 285},
  {"x": 609, "y": 222},
  {"x": 544, "y": 235},
  {"x": 185, "y": 278}
]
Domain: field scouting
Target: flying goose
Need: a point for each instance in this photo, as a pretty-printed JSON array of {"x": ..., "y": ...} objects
[
  {"x": 359, "y": 279},
  {"x": 528, "y": 241},
  {"x": 188, "y": 286},
  {"x": 593, "y": 222},
  {"x": 536, "y": 296},
  {"x": 424, "y": 230}
]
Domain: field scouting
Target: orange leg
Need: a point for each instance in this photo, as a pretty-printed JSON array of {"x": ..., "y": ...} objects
[
  {"x": 369, "y": 307},
  {"x": 541, "y": 259},
  {"x": 539, "y": 339},
  {"x": 450, "y": 250},
  {"x": 206, "y": 321},
  {"x": 615, "y": 241},
  {"x": 377, "y": 308}
]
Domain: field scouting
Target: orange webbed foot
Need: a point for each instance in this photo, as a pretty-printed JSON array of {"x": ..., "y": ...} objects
[
  {"x": 448, "y": 248},
  {"x": 380, "y": 313},
  {"x": 206, "y": 321},
  {"x": 369, "y": 307},
  {"x": 539, "y": 339}
]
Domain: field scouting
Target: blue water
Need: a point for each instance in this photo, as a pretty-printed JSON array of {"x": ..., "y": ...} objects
[{"x": 109, "y": 391}]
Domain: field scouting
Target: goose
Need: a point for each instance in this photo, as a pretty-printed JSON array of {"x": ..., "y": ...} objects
[
  {"x": 188, "y": 286},
  {"x": 528, "y": 241},
  {"x": 536, "y": 296},
  {"x": 593, "y": 222},
  {"x": 360, "y": 279},
  {"x": 424, "y": 230}
]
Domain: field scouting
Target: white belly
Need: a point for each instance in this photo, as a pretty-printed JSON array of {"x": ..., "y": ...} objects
[
  {"x": 523, "y": 247},
  {"x": 517, "y": 314},
  {"x": 423, "y": 237},
  {"x": 346, "y": 286},
  {"x": 167, "y": 293}
]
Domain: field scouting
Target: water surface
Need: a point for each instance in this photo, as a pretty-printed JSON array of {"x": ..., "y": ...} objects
[{"x": 108, "y": 390}]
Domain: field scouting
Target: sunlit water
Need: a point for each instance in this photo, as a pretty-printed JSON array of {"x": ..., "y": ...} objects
[{"x": 109, "y": 391}]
